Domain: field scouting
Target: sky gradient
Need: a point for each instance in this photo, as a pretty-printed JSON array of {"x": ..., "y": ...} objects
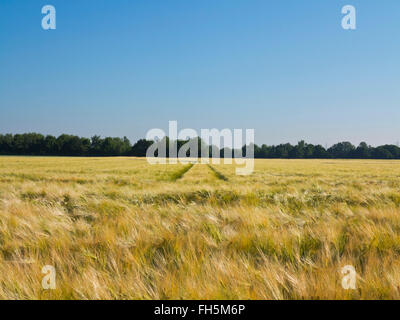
[{"x": 284, "y": 68}]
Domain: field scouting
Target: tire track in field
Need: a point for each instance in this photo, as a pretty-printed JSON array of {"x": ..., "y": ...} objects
[
  {"x": 181, "y": 172},
  {"x": 217, "y": 174}
]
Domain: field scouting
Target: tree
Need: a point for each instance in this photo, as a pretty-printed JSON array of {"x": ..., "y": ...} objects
[
  {"x": 363, "y": 151},
  {"x": 381, "y": 153},
  {"x": 342, "y": 150},
  {"x": 320, "y": 152},
  {"x": 50, "y": 146},
  {"x": 140, "y": 148},
  {"x": 96, "y": 145},
  {"x": 6, "y": 144},
  {"x": 70, "y": 145}
]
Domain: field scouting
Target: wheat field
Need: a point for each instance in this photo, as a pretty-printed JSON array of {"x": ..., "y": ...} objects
[{"x": 119, "y": 228}]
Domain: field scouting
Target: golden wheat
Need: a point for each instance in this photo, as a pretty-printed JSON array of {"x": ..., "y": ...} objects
[{"x": 119, "y": 228}]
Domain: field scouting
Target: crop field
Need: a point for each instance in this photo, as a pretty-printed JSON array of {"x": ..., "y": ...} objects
[{"x": 119, "y": 228}]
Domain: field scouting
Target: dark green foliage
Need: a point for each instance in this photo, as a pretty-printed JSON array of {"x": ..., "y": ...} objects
[
  {"x": 70, "y": 145},
  {"x": 64, "y": 145},
  {"x": 140, "y": 148}
]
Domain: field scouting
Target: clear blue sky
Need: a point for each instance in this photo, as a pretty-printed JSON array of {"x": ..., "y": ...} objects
[{"x": 121, "y": 67}]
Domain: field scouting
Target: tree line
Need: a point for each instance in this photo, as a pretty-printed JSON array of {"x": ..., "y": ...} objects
[{"x": 71, "y": 145}]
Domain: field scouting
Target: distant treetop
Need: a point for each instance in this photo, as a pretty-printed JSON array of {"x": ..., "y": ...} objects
[{"x": 70, "y": 145}]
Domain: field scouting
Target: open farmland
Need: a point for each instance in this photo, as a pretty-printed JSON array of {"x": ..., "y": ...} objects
[{"x": 121, "y": 228}]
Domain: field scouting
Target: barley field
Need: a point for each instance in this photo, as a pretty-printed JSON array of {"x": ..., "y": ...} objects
[{"x": 119, "y": 228}]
